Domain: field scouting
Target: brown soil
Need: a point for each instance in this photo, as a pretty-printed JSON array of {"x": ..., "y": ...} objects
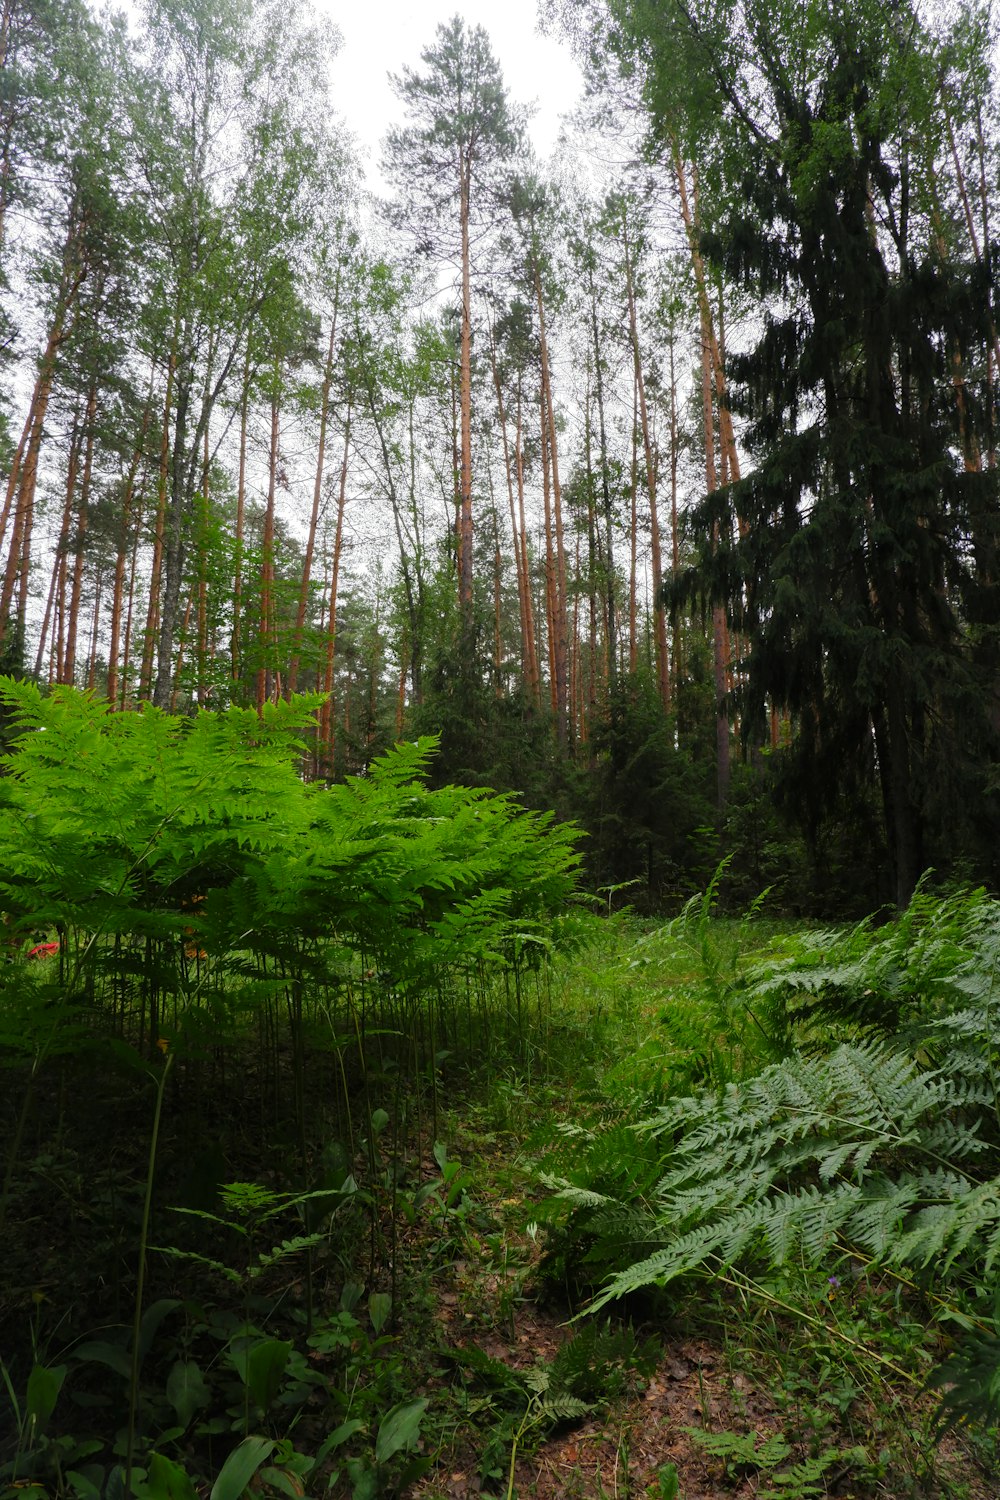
[{"x": 619, "y": 1454}]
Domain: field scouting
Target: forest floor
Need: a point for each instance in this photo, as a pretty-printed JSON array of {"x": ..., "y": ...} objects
[
  {"x": 715, "y": 1372},
  {"x": 789, "y": 1418},
  {"x": 804, "y": 1389}
]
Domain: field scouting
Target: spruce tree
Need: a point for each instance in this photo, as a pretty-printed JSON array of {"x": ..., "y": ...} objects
[{"x": 848, "y": 558}]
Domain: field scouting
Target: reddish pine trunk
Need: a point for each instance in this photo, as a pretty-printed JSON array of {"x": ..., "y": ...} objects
[
  {"x": 59, "y": 558},
  {"x": 324, "y": 412},
  {"x": 267, "y": 632},
  {"x": 465, "y": 403},
  {"x": 118, "y": 588},
  {"x": 326, "y": 721},
  {"x": 20, "y": 495},
  {"x": 522, "y": 582},
  {"x": 72, "y": 625},
  {"x": 241, "y": 492},
  {"x": 156, "y": 570},
  {"x": 559, "y": 602},
  {"x": 534, "y": 677},
  {"x": 659, "y": 617},
  {"x": 551, "y": 592}
]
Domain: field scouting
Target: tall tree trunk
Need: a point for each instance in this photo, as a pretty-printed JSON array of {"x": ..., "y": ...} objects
[
  {"x": 182, "y": 640},
  {"x": 498, "y": 686},
  {"x": 534, "y": 676},
  {"x": 173, "y": 536},
  {"x": 577, "y": 722},
  {"x": 720, "y": 634},
  {"x": 593, "y": 548},
  {"x": 91, "y": 677},
  {"x": 324, "y": 413},
  {"x": 21, "y": 484},
  {"x": 59, "y": 557},
  {"x": 159, "y": 525},
  {"x": 675, "y": 551},
  {"x": 204, "y": 534},
  {"x": 609, "y": 548},
  {"x": 130, "y": 611},
  {"x": 69, "y": 665},
  {"x": 7, "y": 59},
  {"x": 659, "y": 617},
  {"x": 236, "y": 658},
  {"x": 465, "y": 471},
  {"x": 633, "y": 638},
  {"x": 326, "y": 720},
  {"x": 20, "y": 494},
  {"x": 727, "y": 437},
  {"x": 121, "y": 557},
  {"x": 560, "y": 620},
  {"x": 551, "y": 587},
  {"x": 522, "y": 582},
  {"x": 267, "y": 632}
]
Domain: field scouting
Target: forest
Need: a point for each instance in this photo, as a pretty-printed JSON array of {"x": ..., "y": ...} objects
[{"x": 499, "y": 729}]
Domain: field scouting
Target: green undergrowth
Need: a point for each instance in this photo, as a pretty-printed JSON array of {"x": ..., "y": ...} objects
[
  {"x": 226, "y": 1075},
  {"x": 346, "y": 1147},
  {"x": 806, "y": 1150}
]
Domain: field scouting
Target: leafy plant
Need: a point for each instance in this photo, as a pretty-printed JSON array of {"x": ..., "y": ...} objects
[
  {"x": 744, "y": 1454},
  {"x": 590, "y": 1369}
]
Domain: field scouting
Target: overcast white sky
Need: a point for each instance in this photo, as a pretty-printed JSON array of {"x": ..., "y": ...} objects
[{"x": 380, "y": 36}]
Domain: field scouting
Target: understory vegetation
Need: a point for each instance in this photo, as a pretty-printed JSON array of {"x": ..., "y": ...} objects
[{"x": 348, "y": 1149}]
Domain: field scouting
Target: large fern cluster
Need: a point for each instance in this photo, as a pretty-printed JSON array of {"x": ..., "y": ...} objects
[
  {"x": 188, "y": 870},
  {"x": 861, "y": 1148},
  {"x": 884, "y": 1145},
  {"x": 940, "y": 952}
]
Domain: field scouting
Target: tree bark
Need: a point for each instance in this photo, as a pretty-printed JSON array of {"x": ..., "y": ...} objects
[
  {"x": 659, "y": 618},
  {"x": 159, "y": 524},
  {"x": 609, "y": 548},
  {"x": 720, "y": 633},
  {"x": 121, "y": 557},
  {"x": 522, "y": 582},
  {"x": 327, "y": 733},
  {"x": 465, "y": 598},
  {"x": 560, "y": 620},
  {"x": 53, "y": 601},
  {"x": 241, "y": 493},
  {"x": 69, "y": 665},
  {"x": 266, "y": 629},
  {"x": 324, "y": 412}
]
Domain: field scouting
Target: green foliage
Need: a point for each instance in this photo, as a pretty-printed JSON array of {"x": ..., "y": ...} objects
[
  {"x": 862, "y": 1134},
  {"x": 969, "y": 1379},
  {"x": 874, "y": 659},
  {"x": 138, "y": 837},
  {"x": 865, "y": 1147},
  {"x": 938, "y": 954},
  {"x": 858, "y": 1149},
  {"x": 595, "y": 1366},
  {"x": 210, "y": 905},
  {"x": 744, "y": 1456},
  {"x": 651, "y": 800}
]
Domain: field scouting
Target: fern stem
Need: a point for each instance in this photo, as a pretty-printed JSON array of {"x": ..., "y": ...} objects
[
  {"x": 515, "y": 1441},
  {"x": 133, "y": 1385}
]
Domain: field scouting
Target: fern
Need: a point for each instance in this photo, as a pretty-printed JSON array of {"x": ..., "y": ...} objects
[
  {"x": 885, "y": 1145},
  {"x": 860, "y": 1148},
  {"x": 743, "y": 1455}
]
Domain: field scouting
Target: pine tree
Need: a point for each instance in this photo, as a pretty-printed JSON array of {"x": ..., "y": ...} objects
[{"x": 445, "y": 162}]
